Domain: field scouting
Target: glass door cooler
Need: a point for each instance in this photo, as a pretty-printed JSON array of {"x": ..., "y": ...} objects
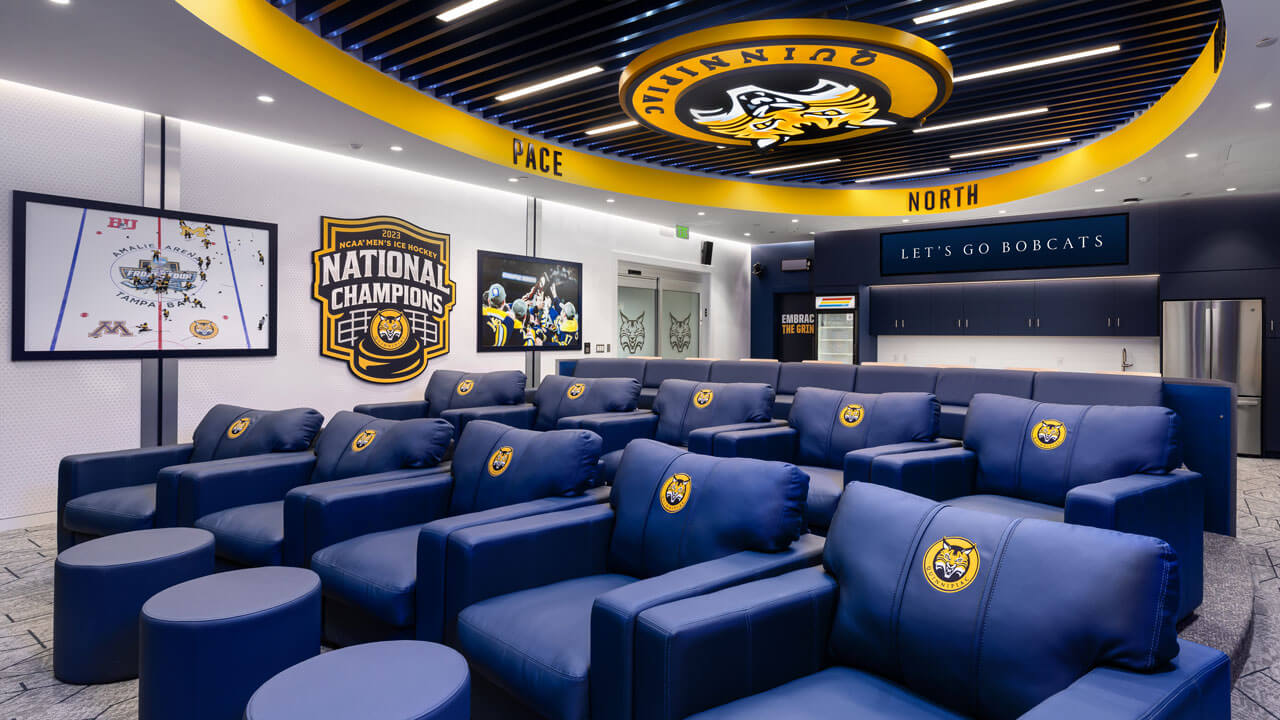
[{"x": 837, "y": 328}]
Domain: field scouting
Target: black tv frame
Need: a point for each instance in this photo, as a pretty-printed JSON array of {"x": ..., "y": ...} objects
[{"x": 480, "y": 255}]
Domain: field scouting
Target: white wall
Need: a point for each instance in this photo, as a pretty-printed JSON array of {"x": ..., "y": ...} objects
[
  {"x": 1078, "y": 354},
  {"x": 62, "y": 145}
]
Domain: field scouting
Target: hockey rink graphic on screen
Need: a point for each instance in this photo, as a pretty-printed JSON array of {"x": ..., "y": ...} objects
[{"x": 116, "y": 281}]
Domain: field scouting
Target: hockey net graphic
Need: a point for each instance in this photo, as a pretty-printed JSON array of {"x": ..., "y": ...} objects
[{"x": 352, "y": 326}]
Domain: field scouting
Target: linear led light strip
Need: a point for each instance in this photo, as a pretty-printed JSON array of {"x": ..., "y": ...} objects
[
  {"x": 797, "y": 166},
  {"x": 903, "y": 176},
  {"x": 1011, "y": 148},
  {"x": 610, "y": 128},
  {"x": 977, "y": 121},
  {"x": 465, "y": 8},
  {"x": 546, "y": 84},
  {"x": 958, "y": 10},
  {"x": 1038, "y": 63}
]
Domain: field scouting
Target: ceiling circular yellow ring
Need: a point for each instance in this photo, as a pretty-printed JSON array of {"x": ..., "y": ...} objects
[{"x": 291, "y": 47}]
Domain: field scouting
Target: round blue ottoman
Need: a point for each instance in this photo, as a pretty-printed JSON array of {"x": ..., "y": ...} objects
[
  {"x": 396, "y": 680},
  {"x": 99, "y": 588},
  {"x": 208, "y": 643}
]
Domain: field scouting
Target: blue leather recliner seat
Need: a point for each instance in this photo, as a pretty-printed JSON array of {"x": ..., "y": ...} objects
[
  {"x": 615, "y": 367},
  {"x": 685, "y": 413},
  {"x": 745, "y": 371},
  {"x": 388, "y": 581},
  {"x": 113, "y": 492},
  {"x": 1101, "y": 465},
  {"x": 794, "y": 375},
  {"x": 957, "y": 386},
  {"x": 559, "y": 397},
  {"x": 893, "y": 378},
  {"x": 928, "y": 611},
  {"x": 549, "y": 603},
  {"x": 256, "y": 519},
  {"x": 658, "y": 371},
  {"x": 451, "y": 390},
  {"x": 833, "y": 436}
]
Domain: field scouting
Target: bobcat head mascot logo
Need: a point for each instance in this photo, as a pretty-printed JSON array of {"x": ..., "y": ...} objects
[
  {"x": 951, "y": 564},
  {"x": 851, "y": 415},
  {"x": 767, "y": 117},
  {"x": 631, "y": 333},
  {"x": 680, "y": 335},
  {"x": 204, "y": 329},
  {"x": 465, "y": 386},
  {"x": 674, "y": 493},
  {"x": 1048, "y": 434},
  {"x": 500, "y": 460},
  {"x": 575, "y": 391},
  {"x": 363, "y": 439},
  {"x": 238, "y": 427},
  {"x": 703, "y": 398}
]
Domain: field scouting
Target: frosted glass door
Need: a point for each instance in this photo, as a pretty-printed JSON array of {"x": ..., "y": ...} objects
[
  {"x": 681, "y": 311},
  {"x": 836, "y": 336},
  {"x": 637, "y": 313}
]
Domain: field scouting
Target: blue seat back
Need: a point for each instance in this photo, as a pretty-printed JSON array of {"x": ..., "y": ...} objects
[
  {"x": 1097, "y": 389},
  {"x": 956, "y": 386},
  {"x": 748, "y": 371},
  {"x": 559, "y": 396},
  {"x": 453, "y": 389},
  {"x": 1038, "y": 451},
  {"x": 830, "y": 423},
  {"x": 674, "y": 508},
  {"x": 988, "y": 615},
  {"x": 228, "y": 431},
  {"x": 496, "y": 465},
  {"x": 890, "y": 378},
  {"x": 609, "y": 368},
  {"x": 683, "y": 406},
  {"x": 655, "y": 371},
  {"x": 354, "y": 444},
  {"x": 834, "y": 376}
]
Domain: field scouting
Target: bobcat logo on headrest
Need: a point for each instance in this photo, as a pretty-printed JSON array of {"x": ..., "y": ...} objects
[
  {"x": 465, "y": 386},
  {"x": 675, "y": 492},
  {"x": 703, "y": 398},
  {"x": 500, "y": 460},
  {"x": 680, "y": 335},
  {"x": 238, "y": 427},
  {"x": 851, "y": 415},
  {"x": 389, "y": 329},
  {"x": 575, "y": 391},
  {"x": 631, "y": 333},
  {"x": 363, "y": 439},
  {"x": 766, "y": 117},
  {"x": 1048, "y": 434},
  {"x": 951, "y": 564}
]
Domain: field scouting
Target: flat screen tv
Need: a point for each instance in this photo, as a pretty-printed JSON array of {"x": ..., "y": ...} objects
[
  {"x": 105, "y": 280},
  {"x": 528, "y": 303}
]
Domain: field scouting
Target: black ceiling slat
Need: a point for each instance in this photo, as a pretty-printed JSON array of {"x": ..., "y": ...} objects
[
  {"x": 309, "y": 10},
  {"x": 354, "y": 14}
]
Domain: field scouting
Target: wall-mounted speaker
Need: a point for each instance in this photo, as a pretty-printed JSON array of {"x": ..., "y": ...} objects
[{"x": 706, "y": 252}]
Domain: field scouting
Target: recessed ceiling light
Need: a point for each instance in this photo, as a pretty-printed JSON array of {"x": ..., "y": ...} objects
[
  {"x": 1002, "y": 212},
  {"x": 719, "y": 147},
  {"x": 513, "y": 179},
  {"x": 901, "y": 176},
  {"x": 396, "y": 148},
  {"x": 1232, "y": 189},
  {"x": 987, "y": 119},
  {"x": 1192, "y": 156},
  {"x": 266, "y": 99},
  {"x": 1144, "y": 179},
  {"x": 1099, "y": 189},
  {"x": 958, "y": 10},
  {"x": 458, "y": 11},
  {"x": 1266, "y": 42},
  {"x": 812, "y": 232},
  {"x": 746, "y": 234},
  {"x": 1264, "y": 105},
  {"x": 1055, "y": 60},
  {"x": 60, "y": 2},
  {"x": 547, "y": 84},
  {"x": 610, "y": 128},
  {"x": 608, "y": 200},
  {"x": 906, "y": 220},
  {"x": 1011, "y": 148},
  {"x": 795, "y": 220},
  {"x": 797, "y": 166}
]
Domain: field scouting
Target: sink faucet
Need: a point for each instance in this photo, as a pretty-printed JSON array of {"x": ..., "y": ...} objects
[{"x": 1124, "y": 360}]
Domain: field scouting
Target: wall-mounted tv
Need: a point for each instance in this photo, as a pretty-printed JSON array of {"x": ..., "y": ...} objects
[
  {"x": 528, "y": 303},
  {"x": 105, "y": 280}
]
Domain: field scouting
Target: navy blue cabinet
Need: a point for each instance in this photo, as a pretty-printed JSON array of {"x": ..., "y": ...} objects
[
  {"x": 1135, "y": 307},
  {"x": 902, "y": 310},
  {"x": 1073, "y": 307},
  {"x": 949, "y": 310},
  {"x": 1271, "y": 403}
]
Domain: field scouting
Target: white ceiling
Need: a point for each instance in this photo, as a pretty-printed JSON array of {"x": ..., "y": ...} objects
[{"x": 153, "y": 55}]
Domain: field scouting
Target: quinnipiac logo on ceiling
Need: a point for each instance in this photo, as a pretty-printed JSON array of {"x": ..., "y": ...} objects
[{"x": 769, "y": 82}]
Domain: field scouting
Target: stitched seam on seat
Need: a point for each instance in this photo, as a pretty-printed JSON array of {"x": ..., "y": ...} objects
[
  {"x": 1193, "y": 682},
  {"x": 521, "y": 653},
  {"x": 904, "y": 572},
  {"x": 1075, "y": 445},
  {"x": 644, "y": 526},
  {"x": 684, "y": 433},
  {"x": 1155, "y": 630},
  {"x": 111, "y": 512},
  {"x": 1022, "y": 446},
  {"x": 831, "y": 426},
  {"x": 984, "y": 611}
]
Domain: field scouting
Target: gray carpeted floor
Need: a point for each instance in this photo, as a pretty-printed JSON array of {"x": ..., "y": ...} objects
[{"x": 28, "y": 690}]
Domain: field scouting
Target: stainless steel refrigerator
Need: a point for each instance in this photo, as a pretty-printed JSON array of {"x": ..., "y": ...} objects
[{"x": 1220, "y": 340}]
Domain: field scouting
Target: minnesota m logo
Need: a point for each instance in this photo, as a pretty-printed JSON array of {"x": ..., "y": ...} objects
[{"x": 110, "y": 327}]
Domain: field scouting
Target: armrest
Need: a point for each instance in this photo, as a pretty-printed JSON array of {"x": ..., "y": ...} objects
[
  {"x": 407, "y": 410},
  {"x": 433, "y": 615},
  {"x": 935, "y": 474},
  {"x": 757, "y": 636},
  {"x": 614, "y": 615},
  {"x": 777, "y": 442},
  {"x": 1196, "y": 685},
  {"x": 530, "y": 394},
  {"x": 701, "y": 440},
  {"x": 319, "y": 515},
  {"x": 519, "y": 416},
  {"x": 93, "y": 472},
  {"x": 1169, "y": 507},
  {"x": 486, "y": 561},
  {"x": 857, "y": 463},
  {"x": 167, "y": 482},
  {"x": 616, "y": 429},
  {"x": 207, "y": 488}
]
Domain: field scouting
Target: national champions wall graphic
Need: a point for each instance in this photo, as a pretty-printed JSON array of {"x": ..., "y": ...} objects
[{"x": 385, "y": 294}]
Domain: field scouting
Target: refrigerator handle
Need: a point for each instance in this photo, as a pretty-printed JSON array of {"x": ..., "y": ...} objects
[{"x": 1248, "y": 401}]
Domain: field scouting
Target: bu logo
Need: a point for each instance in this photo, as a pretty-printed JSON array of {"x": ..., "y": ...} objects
[
  {"x": 122, "y": 223},
  {"x": 110, "y": 327}
]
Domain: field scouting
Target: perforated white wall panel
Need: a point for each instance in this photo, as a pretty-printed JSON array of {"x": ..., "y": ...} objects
[{"x": 62, "y": 145}]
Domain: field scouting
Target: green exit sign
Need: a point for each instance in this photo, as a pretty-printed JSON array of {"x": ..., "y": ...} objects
[{"x": 682, "y": 232}]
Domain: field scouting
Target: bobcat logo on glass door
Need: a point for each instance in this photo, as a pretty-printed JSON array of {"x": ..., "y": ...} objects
[
  {"x": 680, "y": 335},
  {"x": 631, "y": 333},
  {"x": 385, "y": 295}
]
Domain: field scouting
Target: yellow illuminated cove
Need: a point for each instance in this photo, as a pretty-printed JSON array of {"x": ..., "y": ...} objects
[{"x": 291, "y": 47}]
